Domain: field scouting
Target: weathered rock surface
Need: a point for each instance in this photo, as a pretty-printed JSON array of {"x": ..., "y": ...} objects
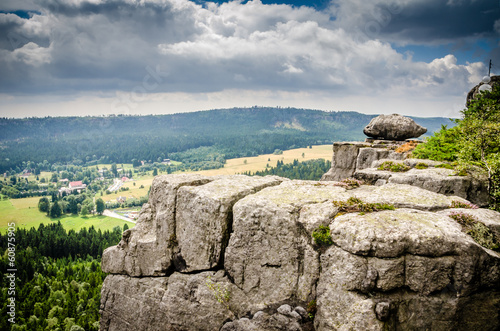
[
  {"x": 285, "y": 319},
  {"x": 393, "y": 127},
  {"x": 237, "y": 253},
  {"x": 348, "y": 157},
  {"x": 439, "y": 180},
  {"x": 204, "y": 216},
  {"x": 270, "y": 254},
  {"x": 178, "y": 302},
  {"x": 404, "y": 196},
  {"x": 486, "y": 216},
  {"x": 147, "y": 249},
  {"x": 398, "y": 265}
]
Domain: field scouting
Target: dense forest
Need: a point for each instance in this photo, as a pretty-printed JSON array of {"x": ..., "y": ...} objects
[
  {"x": 202, "y": 140},
  {"x": 307, "y": 170},
  {"x": 58, "y": 277}
]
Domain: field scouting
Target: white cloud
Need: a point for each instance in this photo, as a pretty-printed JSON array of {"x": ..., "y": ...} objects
[
  {"x": 497, "y": 26},
  {"x": 32, "y": 54},
  {"x": 250, "y": 48}
]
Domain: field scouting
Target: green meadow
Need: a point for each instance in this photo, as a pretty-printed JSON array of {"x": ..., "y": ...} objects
[{"x": 25, "y": 213}]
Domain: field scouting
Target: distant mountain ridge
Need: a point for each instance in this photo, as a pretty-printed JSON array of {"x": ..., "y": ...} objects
[{"x": 235, "y": 132}]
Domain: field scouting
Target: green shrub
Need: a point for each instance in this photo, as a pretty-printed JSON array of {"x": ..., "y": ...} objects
[
  {"x": 393, "y": 166},
  {"x": 473, "y": 142},
  {"x": 322, "y": 237},
  {"x": 443, "y": 146},
  {"x": 221, "y": 294}
]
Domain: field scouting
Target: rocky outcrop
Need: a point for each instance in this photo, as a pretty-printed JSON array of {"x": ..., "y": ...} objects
[
  {"x": 361, "y": 160},
  {"x": 181, "y": 208},
  {"x": 238, "y": 253},
  {"x": 348, "y": 157},
  {"x": 393, "y": 127},
  {"x": 439, "y": 180}
]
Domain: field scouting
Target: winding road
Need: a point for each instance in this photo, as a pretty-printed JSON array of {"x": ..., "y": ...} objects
[{"x": 110, "y": 213}]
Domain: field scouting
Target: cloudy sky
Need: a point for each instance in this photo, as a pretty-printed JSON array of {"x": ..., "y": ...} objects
[{"x": 92, "y": 57}]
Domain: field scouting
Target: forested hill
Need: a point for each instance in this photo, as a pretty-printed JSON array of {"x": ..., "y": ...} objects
[{"x": 221, "y": 133}]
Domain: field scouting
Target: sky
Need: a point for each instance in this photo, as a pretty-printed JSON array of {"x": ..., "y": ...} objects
[{"x": 103, "y": 57}]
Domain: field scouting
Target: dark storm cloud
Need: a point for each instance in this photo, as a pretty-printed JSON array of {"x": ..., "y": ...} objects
[
  {"x": 12, "y": 34},
  {"x": 443, "y": 21}
]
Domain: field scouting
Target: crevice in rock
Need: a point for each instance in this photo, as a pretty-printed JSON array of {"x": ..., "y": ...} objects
[
  {"x": 226, "y": 237},
  {"x": 269, "y": 265},
  {"x": 196, "y": 272},
  {"x": 393, "y": 294}
]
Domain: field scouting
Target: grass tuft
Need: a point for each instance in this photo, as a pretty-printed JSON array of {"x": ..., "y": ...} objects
[
  {"x": 322, "y": 237},
  {"x": 477, "y": 230},
  {"x": 393, "y": 166}
]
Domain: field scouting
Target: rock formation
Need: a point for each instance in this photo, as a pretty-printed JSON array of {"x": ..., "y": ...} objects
[
  {"x": 361, "y": 160},
  {"x": 495, "y": 80},
  {"x": 237, "y": 253},
  {"x": 351, "y": 156},
  {"x": 393, "y": 127}
]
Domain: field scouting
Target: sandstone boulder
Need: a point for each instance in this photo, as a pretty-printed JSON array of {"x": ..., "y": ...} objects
[
  {"x": 351, "y": 156},
  {"x": 393, "y": 127},
  {"x": 270, "y": 255},
  {"x": 147, "y": 249},
  {"x": 204, "y": 218},
  {"x": 395, "y": 269},
  {"x": 178, "y": 302}
]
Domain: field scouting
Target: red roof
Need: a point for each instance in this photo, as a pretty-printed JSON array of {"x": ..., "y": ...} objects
[{"x": 74, "y": 184}]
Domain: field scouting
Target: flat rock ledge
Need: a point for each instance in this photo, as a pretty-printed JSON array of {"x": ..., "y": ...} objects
[
  {"x": 236, "y": 253},
  {"x": 431, "y": 178}
]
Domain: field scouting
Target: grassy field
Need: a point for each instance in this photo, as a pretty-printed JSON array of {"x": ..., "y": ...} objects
[
  {"x": 24, "y": 212},
  {"x": 134, "y": 190},
  {"x": 235, "y": 166}
]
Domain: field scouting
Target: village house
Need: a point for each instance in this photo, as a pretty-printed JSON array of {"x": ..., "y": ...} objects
[{"x": 72, "y": 186}]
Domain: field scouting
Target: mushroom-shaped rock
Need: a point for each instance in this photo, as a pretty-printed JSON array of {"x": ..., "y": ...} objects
[{"x": 393, "y": 127}]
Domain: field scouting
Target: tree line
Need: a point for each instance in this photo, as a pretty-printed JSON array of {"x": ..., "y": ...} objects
[{"x": 306, "y": 170}]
